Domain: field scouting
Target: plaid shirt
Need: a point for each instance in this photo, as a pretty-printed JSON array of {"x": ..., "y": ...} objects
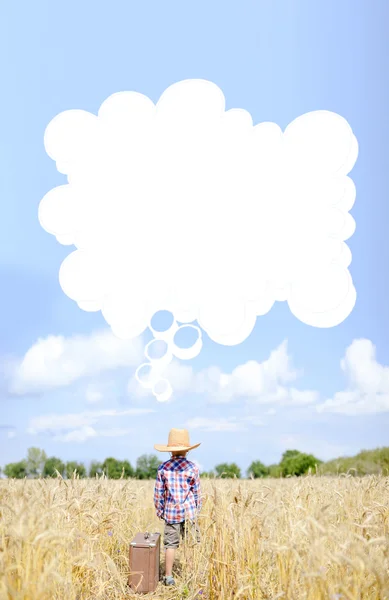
[{"x": 177, "y": 494}]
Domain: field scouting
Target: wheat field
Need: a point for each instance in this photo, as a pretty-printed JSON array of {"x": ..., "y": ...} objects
[{"x": 298, "y": 538}]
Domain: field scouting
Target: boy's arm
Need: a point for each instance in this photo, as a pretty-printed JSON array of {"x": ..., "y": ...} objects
[
  {"x": 159, "y": 497},
  {"x": 196, "y": 489}
]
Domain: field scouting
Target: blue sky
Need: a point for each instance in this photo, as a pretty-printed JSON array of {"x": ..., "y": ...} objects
[{"x": 277, "y": 60}]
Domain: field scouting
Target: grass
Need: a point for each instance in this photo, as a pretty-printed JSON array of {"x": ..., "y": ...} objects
[{"x": 298, "y": 538}]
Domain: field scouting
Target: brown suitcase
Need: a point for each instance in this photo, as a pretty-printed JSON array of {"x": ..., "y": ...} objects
[{"x": 144, "y": 562}]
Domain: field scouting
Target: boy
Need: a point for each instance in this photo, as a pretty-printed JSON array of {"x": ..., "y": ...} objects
[{"x": 177, "y": 496}]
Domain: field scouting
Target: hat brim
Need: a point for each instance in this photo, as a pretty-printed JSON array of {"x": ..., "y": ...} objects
[{"x": 163, "y": 448}]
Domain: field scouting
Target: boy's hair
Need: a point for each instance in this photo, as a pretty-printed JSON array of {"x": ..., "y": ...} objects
[{"x": 180, "y": 453}]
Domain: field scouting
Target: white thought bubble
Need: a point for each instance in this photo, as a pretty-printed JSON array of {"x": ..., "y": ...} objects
[{"x": 186, "y": 207}]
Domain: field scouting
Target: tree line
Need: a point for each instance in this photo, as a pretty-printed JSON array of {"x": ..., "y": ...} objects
[
  {"x": 292, "y": 463},
  {"x": 37, "y": 464}
]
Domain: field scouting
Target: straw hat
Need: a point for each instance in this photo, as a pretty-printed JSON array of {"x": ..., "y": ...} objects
[{"x": 178, "y": 440}]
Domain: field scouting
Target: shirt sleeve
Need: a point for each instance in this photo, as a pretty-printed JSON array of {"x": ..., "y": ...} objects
[
  {"x": 196, "y": 489},
  {"x": 159, "y": 499}
]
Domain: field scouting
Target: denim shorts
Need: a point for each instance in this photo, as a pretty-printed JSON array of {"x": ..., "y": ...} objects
[{"x": 187, "y": 530}]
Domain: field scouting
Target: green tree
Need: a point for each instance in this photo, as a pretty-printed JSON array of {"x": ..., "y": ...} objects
[
  {"x": 52, "y": 465},
  {"x": 381, "y": 455},
  {"x": 127, "y": 469},
  {"x": 147, "y": 466},
  {"x": 298, "y": 464},
  {"x": 111, "y": 468},
  {"x": 96, "y": 468},
  {"x": 289, "y": 454},
  {"x": 115, "y": 469},
  {"x": 16, "y": 470},
  {"x": 257, "y": 469},
  {"x": 35, "y": 462},
  {"x": 365, "y": 462},
  {"x": 228, "y": 471},
  {"x": 275, "y": 470},
  {"x": 72, "y": 466}
]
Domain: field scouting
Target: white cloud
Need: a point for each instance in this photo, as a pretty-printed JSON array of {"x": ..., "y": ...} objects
[
  {"x": 268, "y": 383},
  {"x": 11, "y": 434},
  {"x": 367, "y": 390},
  {"x": 265, "y": 382},
  {"x": 253, "y": 420},
  {"x": 142, "y": 165},
  {"x": 93, "y": 394},
  {"x": 56, "y": 361},
  {"x": 85, "y": 433},
  {"x": 76, "y": 421},
  {"x": 261, "y": 382},
  {"x": 222, "y": 424}
]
